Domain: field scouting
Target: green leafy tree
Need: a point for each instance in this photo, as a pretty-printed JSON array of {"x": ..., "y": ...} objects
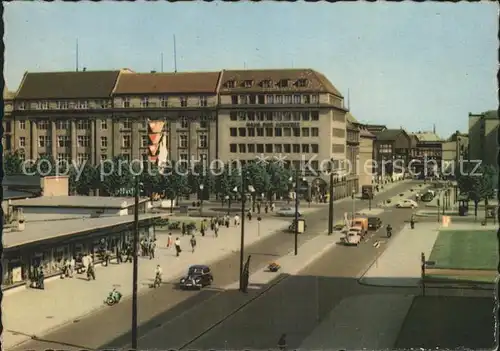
[
  {"x": 174, "y": 182},
  {"x": 478, "y": 185},
  {"x": 115, "y": 177},
  {"x": 200, "y": 175},
  {"x": 279, "y": 179},
  {"x": 226, "y": 182},
  {"x": 83, "y": 179},
  {"x": 13, "y": 163},
  {"x": 151, "y": 179},
  {"x": 44, "y": 166},
  {"x": 256, "y": 175}
]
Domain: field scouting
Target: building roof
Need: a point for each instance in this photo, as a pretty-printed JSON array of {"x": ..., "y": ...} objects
[
  {"x": 7, "y": 94},
  {"x": 15, "y": 194},
  {"x": 350, "y": 118},
  {"x": 364, "y": 133},
  {"x": 168, "y": 83},
  {"x": 491, "y": 114},
  {"x": 22, "y": 180},
  {"x": 427, "y": 136},
  {"x": 40, "y": 231},
  {"x": 389, "y": 134},
  {"x": 375, "y": 128},
  {"x": 317, "y": 82},
  {"x": 78, "y": 202},
  {"x": 67, "y": 85}
]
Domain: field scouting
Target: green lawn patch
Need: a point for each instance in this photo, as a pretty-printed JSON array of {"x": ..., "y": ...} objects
[
  {"x": 460, "y": 278},
  {"x": 463, "y": 249}
]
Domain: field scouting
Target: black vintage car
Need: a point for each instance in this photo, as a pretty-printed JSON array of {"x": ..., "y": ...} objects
[
  {"x": 374, "y": 223},
  {"x": 198, "y": 276}
]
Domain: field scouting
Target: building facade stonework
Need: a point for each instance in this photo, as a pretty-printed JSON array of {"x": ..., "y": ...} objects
[{"x": 295, "y": 115}]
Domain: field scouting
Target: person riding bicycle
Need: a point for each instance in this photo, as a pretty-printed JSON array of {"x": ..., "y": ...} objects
[
  {"x": 158, "y": 273},
  {"x": 389, "y": 230}
]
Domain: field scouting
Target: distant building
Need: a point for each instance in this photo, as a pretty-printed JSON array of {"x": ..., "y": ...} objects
[
  {"x": 455, "y": 149},
  {"x": 429, "y": 149},
  {"x": 483, "y": 137},
  {"x": 391, "y": 145}
]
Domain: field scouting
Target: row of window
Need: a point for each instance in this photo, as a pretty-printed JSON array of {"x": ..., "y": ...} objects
[
  {"x": 267, "y": 83},
  {"x": 274, "y": 148},
  {"x": 86, "y": 124},
  {"x": 146, "y": 102},
  {"x": 274, "y": 116},
  {"x": 270, "y": 132},
  {"x": 296, "y": 99},
  {"x": 85, "y": 141}
]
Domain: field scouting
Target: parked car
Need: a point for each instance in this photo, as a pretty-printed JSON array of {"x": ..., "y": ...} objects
[
  {"x": 407, "y": 203},
  {"x": 197, "y": 277},
  {"x": 427, "y": 197},
  {"x": 374, "y": 223},
  {"x": 287, "y": 212}
]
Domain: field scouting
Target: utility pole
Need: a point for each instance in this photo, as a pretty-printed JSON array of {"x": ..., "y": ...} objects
[
  {"x": 135, "y": 266},
  {"x": 296, "y": 214},
  {"x": 175, "y": 56},
  {"x": 330, "y": 212},
  {"x": 242, "y": 234},
  {"x": 76, "y": 58}
]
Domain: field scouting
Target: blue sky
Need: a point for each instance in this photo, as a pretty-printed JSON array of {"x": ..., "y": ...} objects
[{"x": 409, "y": 64}]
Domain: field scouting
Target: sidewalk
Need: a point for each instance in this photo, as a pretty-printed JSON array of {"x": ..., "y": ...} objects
[
  {"x": 361, "y": 322},
  {"x": 34, "y": 312},
  {"x": 399, "y": 265}
]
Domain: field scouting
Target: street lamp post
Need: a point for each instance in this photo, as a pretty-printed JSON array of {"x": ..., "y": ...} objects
[
  {"x": 296, "y": 231},
  {"x": 228, "y": 199},
  {"x": 201, "y": 197},
  {"x": 135, "y": 264},
  {"x": 353, "y": 203},
  {"x": 330, "y": 212},
  {"x": 242, "y": 234}
]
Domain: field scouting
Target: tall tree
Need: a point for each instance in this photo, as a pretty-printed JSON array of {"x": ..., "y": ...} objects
[
  {"x": 13, "y": 163},
  {"x": 83, "y": 179},
  {"x": 226, "y": 182},
  {"x": 44, "y": 166},
  {"x": 116, "y": 178},
  {"x": 279, "y": 179},
  {"x": 477, "y": 184}
]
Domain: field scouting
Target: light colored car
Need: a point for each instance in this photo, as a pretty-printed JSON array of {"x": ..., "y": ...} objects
[
  {"x": 353, "y": 237},
  {"x": 407, "y": 203},
  {"x": 287, "y": 212}
]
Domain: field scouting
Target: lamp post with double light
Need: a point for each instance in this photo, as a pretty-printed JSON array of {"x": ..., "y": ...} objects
[
  {"x": 251, "y": 190},
  {"x": 296, "y": 186},
  {"x": 228, "y": 199}
]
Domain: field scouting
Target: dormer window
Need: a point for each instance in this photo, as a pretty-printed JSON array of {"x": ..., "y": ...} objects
[
  {"x": 302, "y": 83},
  {"x": 230, "y": 84},
  {"x": 248, "y": 83},
  {"x": 267, "y": 83},
  {"x": 284, "y": 83}
]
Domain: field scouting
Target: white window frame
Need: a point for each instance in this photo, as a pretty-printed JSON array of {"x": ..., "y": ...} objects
[
  {"x": 183, "y": 141},
  {"x": 82, "y": 157},
  {"x": 184, "y": 122},
  {"x": 83, "y": 124},
  {"x": 145, "y": 101},
  {"x": 83, "y": 140},
  {"x": 144, "y": 141},
  {"x": 164, "y": 101},
  {"x": 183, "y": 101},
  {"x": 202, "y": 141},
  {"x": 127, "y": 123},
  {"x": 22, "y": 141},
  {"x": 63, "y": 141},
  {"x": 126, "y": 141},
  {"x": 126, "y": 102},
  {"x": 44, "y": 141},
  {"x": 104, "y": 141},
  {"x": 104, "y": 124},
  {"x": 203, "y": 101},
  {"x": 314, "y": 99}
]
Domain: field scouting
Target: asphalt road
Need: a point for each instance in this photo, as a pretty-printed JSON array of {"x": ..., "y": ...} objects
[{"x": 182, "y": 315}]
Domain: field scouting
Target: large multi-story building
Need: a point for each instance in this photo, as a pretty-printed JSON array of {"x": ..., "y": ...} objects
[
  {"x": 483, "y": 137},
  {"x": 295, "y": 115}
]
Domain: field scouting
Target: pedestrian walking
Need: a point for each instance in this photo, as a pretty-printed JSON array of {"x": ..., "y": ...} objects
[
  {"x": 192, "y": 241},
  {"x": 183, "y": 228},
  {"x": 216, "y": 230},
  {"x": 40, "y": 278},
  {"x": 129, "y": 252},
  {"x": 266, "y": 208},
  {"x": 212, "y": 223},
  {"x": 90, "y": 271},
  {"x": 118, "y": 254},
  {"x": 258, "y": 207},
  {"x": 236, "y": 220},
  {"x": 152, "y": 248},
  {"x": 249, "y": 215},
  {"x": 72, "y": 264},
  {"x": 178, "y": 247},
  {"x": 202, "y": 228},
  {"x": 272, "y": 206},
  {"x": 169, "y": 240},
  {"x": 412, "y": 222}
]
